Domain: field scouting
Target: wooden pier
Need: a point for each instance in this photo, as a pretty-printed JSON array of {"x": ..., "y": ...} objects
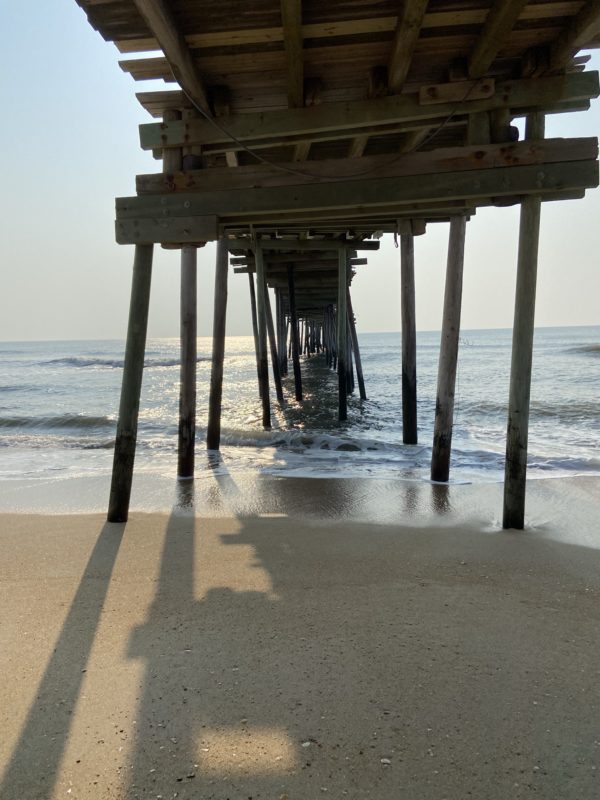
[{"x": 298, "y": 134}]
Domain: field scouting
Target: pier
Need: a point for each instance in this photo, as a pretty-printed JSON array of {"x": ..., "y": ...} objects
[{"x": 300, "y": 137}]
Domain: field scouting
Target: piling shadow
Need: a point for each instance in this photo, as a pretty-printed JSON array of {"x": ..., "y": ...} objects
[
  {"x": 37, "y": 756},
  {"x": 359, "y": 671}
]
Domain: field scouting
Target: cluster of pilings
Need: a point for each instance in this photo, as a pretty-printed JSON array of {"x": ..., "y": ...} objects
[{"x": 307, "y": 330}]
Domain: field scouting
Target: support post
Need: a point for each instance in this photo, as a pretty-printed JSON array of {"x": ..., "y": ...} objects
[
  {"x": 409, "y": 339},
  {"x": 294, "y": 333},
  {"x": 522, "y": 352},
  {"x": 341, "y": 333},
  {"x": 213, "y": 432},
  {"x": 263, "y": 364},
  {"x": 444, "y": 405},
  {"x": 122, "y": 473},
  {"x": 273, "y": 347},
  {"x": 355, "y": 348},
  {"x": 187, "y": 390},
  {"x": 254, "y": 326}
]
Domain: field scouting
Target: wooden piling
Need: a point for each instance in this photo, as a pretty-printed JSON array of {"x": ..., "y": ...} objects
[
  {"x": 254, "y": 326},
  {"x": 263, "y": 363},
  {"x": 444, "y": 406},
  {"x": 124, "y": 456},
  {"x": 187, "y": 390},
  {"x": 273, "y": 347},
  {"x": 213, "y": 433},
  {"x": 294, "y": 333},
  {"x": 356, "y": 349},
  {"x": 409, "y": 339},
  {"x": 341, "y": 334},
  {"x": 515, "y": 473}
]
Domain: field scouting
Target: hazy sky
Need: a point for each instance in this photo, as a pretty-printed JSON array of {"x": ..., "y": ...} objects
[{"x": 70, "y": 146}]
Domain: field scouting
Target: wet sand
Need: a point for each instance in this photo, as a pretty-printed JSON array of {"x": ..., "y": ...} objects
[{"x": 286, "y": 657}]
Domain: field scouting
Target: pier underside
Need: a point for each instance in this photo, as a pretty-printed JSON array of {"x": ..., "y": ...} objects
[{"x": 301, "y": 132}]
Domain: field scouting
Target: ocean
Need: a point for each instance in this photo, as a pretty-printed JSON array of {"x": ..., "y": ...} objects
[{"x": 59, "y": 401}]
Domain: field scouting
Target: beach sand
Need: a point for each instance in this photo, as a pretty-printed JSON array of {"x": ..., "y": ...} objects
[{"x": 232, "y": 655}]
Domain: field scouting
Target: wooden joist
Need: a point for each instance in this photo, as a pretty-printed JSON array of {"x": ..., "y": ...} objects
[
  {"x": 349, "y": 118},
  {"x": 408, "y": 27},
  {"x": 157, "y": 16},
  {"x": 498, "y": 25},
  {"x": 291, "y": 20},
  {"x": 370, "y": 25}
]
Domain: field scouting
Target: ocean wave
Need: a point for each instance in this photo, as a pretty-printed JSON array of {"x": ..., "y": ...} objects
[
  {"x": 586, "y": 349},
  {"x": 62, "y": 421},
  {"x": 115, "y": 363},
  {"x": 575, "y": 410}
]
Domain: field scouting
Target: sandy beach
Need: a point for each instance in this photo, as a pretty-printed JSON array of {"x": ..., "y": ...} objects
[{"x": 273, "y": 656}]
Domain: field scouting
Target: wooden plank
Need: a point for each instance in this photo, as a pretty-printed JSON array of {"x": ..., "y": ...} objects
[
  {"x": 340, "y": 117},
  {"x": 291, "y": 19},
  {"x": 436, "y": 161},
  {"x": 456, "y": 91},
  {"x": 168, "y": 230},
  {"x": 580, "y": 32},
  {"x": 157, "y": 16},
  {"x": 408, "y": 27},
  {"x": 498, "y": 25},
  {"x": 353, "y": 194}
]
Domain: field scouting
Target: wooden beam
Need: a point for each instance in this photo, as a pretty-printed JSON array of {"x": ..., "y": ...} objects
[
  {"x": 304, "y": 244},
  {"x": 349, "y": 119},
  {"x": 583, "y": 27},
  {"x": 157, "y": 16},
  {"x": 498, "y": 25},
  {"x": 354, "y": 195},
  {"x": 408, "y": 27},
  {"x": 263, "y": 364},
  {"x": 291, "y": 20},
  {"x": 220, "y": 179},
  {"x": 294, "y": 334}
]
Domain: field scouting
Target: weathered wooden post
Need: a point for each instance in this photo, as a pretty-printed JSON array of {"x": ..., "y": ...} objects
[
  {"x": 263, "y": 364},
  {"x": 444, "y": 405},
  {"x": 355, "y": 348},
  {"x": 409, "y": 339},
  {"x": 294, "y": 333},
  {"x": 522, "y": 351},
  {"x": 254, "y": 327},
  {"x": 173, "y": 162},
  {"x": 341, "y": 333},
  {"x": 122, "y": 473},
  {"x": 213, "y": 433},
  {"x": 188, "y": 336},
  {"x": 273, "y": 347}
]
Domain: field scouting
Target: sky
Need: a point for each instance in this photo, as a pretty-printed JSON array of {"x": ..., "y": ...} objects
[{"x": 70, "y": 146}]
